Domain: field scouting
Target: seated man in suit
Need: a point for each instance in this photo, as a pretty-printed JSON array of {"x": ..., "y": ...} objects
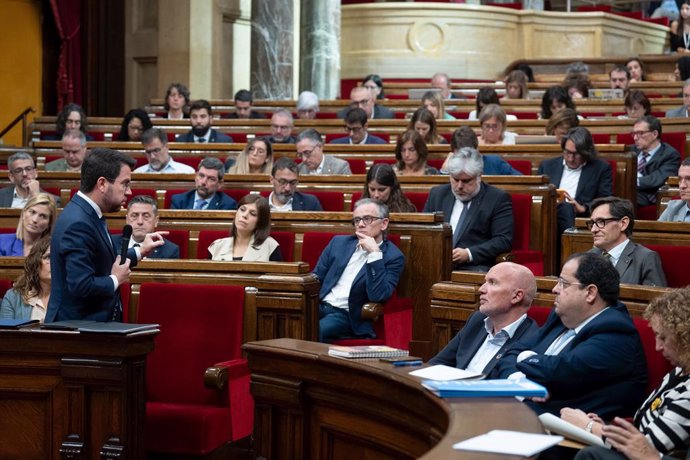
[
  {"x": 612, "y": 224},
  {"x": 155, "y": 142},
  {"x": 441, "y": 81},
  {"x": 494, "y": 165},
  {"x": 24, "y": 178},
  {"x": 580, "y": 174},
  {"x": 282, "y": 124},
  {"x": 207, "y": 193},
  {"x": 588, "y": 354},
  {"x": 481, "y": 215},
  {"x": 201, "y": 118},
  {"x": 356, "y": 126},
  {"x": 364, "y": 98},
  {"x": 74, "y": 151},
  {"x": 285, "y": 197},
  {"x": 502, "y": 320},
  {"x": 357, "y": 269},
  {"x": 656, "y": 160},
  {"x": 310, "y": 149},
  {"x": 619, "y": 78},
  {"x": 142, "y": 215},
  {"x": 243, "y": 106},
  {"x": 679, "y": 210},
  {"x": 682, "y": 111}
]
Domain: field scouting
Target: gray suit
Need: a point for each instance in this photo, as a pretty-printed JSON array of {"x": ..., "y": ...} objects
[
  {"x": 674, "y": 212},
  {"x": 331, "y": 165},
  {"x": 680, "y": 112},
  {"x": 639, "y": 265}
]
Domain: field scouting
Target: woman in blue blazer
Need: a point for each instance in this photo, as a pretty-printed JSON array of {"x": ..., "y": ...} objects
[{"x": 35, "y": 221}]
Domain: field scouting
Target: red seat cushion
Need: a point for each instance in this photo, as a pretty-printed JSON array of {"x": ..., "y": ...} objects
[
  {"x": 657, "y": 365},
  {"x": 522, "y": 220},
  {"x": 180, "y": 238},
  {"x": 524, "y": 166},
  {"x": 674, "y": 261},
  {"x": 206, "y": 237},
  {"x": 330, "y": 201}
]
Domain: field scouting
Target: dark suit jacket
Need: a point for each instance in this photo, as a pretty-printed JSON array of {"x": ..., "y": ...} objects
[
  {"x": 488, "y": 228},
  {"x": 664, "y": 164},
  {"x": 371, "y": 139},
  {"x": 215, "y": 138},
  {"x": 595, "y": 178},
  {"x": 305, "y": 202},
  {"x": 253, "y": 114},
  {"x": 462, "y": 348},
  {"x": 602, "y": 370},
  {"x": 375, "y": 282},
  {"x": 287, "y": 140},
  {"x": 81, "y": 258},
  {"x": 219, "y": 201},
  {"x": 639, "y": 265},
  {"x": 380, "y": 112},
  {"x": 494, "y": 165},
  {"x": 7, "y": 195},
  {"x": 169, "y": 250}
]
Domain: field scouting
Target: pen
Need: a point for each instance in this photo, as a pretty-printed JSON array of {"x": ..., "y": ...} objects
[{"x": 407, "y": 363}]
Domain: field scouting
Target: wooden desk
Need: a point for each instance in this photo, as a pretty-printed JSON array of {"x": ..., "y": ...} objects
[
  {"x": 70, "y": 395},
  {"x": 313, "y": 406}
]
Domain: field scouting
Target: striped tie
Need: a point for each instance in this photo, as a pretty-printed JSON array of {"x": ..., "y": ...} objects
[{"x": 642, "y": 163}]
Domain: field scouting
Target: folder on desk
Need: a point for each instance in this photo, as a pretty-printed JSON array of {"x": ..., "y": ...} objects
[
  {"x": 17, "y": 323},
  {"x": 110, "y": 327},
  {"x": 484, "y": 388}
]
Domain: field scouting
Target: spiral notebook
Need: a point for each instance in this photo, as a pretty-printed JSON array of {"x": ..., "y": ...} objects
[{"x": 366, "y": 351}]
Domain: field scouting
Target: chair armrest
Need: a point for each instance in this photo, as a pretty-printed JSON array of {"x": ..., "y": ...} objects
[
  {"x": 372, "y": 310},
  {"x": 216, "y": 377}
]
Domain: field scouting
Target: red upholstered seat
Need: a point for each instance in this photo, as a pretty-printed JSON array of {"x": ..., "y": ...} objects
[
  {"x": 200, "y": 328},
  {"x": 206, "y": 237},
  {"x": 646, "y": 212},
  {"x": 539, "y": 314},
  {"x": 357, "y": 165},
  {"x": 657, "y": 365},
  {"x": 169, "y": 194},
  {"x": 189, "y": 161},
  {"x": 5, "y": 285},
  {"x": 286, "y": 240},
  {"x": 522, "y": 218},
  {"x": 674, "y": 261},
  {"x": 180, "y": 238},
  {"x": 524, "y": 166},
  {"x": 600, "y": 138},
  {"x": 394, "y": 328},
  {"x": 330, "y": 201}
]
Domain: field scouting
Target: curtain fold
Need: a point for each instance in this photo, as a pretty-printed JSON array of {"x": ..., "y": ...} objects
[{"x": 67, "y": 14}]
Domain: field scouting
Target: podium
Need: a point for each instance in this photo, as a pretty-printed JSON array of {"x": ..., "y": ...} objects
[{"x": 71, "y": 395}]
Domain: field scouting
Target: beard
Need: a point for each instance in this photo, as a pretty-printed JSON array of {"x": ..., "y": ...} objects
[
  {"x": 283, "y": 198},
  {"x": 200, "y": 131}
]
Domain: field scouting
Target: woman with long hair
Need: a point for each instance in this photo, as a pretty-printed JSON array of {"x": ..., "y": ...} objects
[
  {"x": 382, "y": 184},
  {"x": 72, "y": 116},
  {"x": 249, "y": 238},
  {"x": 516, "y": 85},
  {"x": 433, "y": 102},
  {"x": 176, "y": 103},
  {"x": 424, "y": 123},
  {"x": 636, "y": 69},
  {"x": 375, "y": 84},
  {"x": 256, "y": 158},
  {"x": 135, "y": 122},
  {"x": 492, "y": 121},
  {"x": 35, "y": 221},
  {"x": 410, "y": 155},
  {"x": 555, "y": 98},
  {"x": 28, "y": 298}
]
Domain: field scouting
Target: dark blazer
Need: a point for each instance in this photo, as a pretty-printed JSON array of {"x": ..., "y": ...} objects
[
  {"x": 380, "y": 112},
  {"x": 287, "y": 140},
  {"x": 7, "y": 195},
  {"x": 215, "y": 138},
  {"x": 253, "y": 114},
  {"x": 81, "y": 248},
  {"x": 10, "y": 245},
  {"x": 305, "y": 202},
  {"x": 488, "y": 228},
  {"x": 602, "y": 370},
  {"x": 219, "y": 201},
  {"x": 462, "y": 348},
  {"x": 169, "y": 250},
  {"x": 664, "y": 164},
  {"x": 595, "y": 178},
  {"x": 371, "y": 139},
  {"x": 494, "y": 165},
  {"x": 639, "y": 265},
  {"x": 375, "y": 282}
]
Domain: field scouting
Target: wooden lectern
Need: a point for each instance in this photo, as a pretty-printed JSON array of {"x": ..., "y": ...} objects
[{"x": 71, "y": 395}]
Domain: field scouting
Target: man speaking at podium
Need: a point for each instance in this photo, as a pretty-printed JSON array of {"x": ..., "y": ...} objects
[{"x": 85, "y": 267}]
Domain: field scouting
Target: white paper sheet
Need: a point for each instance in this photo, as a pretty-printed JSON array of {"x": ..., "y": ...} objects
[
  {"x": 509, "y": 442},
  {"x": 443, "y": 372}
]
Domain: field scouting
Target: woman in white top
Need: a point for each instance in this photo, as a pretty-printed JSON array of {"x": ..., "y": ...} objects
[
  {"x": 249, "y": 239},
  {"x": 492, "y": 121}
]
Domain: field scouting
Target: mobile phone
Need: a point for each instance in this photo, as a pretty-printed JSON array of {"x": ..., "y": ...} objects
[{"x": 401, "y": 359}]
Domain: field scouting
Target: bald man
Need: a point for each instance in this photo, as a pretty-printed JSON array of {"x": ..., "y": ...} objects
[
  {"x": 364, "y": 98},
  {"x": 502, "y": 319}
]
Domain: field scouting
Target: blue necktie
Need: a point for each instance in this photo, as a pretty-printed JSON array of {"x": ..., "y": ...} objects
[{"x": 200, "y": 204}]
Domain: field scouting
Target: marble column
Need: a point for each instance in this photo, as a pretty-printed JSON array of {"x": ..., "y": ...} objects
[
  {"x": 272, "y": 58},
  {"x": 320, "y": 48}
]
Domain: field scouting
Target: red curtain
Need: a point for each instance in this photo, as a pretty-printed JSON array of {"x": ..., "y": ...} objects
[{"x": 67, "y": 15}]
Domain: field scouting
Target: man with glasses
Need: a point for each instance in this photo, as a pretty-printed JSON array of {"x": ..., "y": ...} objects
[
  {"x": 363, "y": 98},
  {"x": 74, "y": 151},
  {"x": 480, "y": 215},
  {"x": 310, "y": 150},
  {"x": 356, "y": 127},
  {"x": 656, "y": 160},
  {"x": 357, "y": 269},
  {"x": 24, "y": 178},
  {"x": 682, "y": 112},
  {"x": 281, "y": 128},
  {"x": 155, "y": 142},
  {"x": 611, "y": 224},
  {"x": 142, "y": 215},
  {"x": 588, "y": 354},
  {"x": 207, "y": 193},
  {"x": 285, "y": 197}
]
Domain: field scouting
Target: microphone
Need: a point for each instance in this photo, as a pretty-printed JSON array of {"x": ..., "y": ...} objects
[{"x": 126, "y": 235}]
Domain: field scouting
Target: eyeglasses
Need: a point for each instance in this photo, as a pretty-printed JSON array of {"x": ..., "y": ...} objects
[
  {"x": 601, "y": 223},
  {"x": 372, "y": 87},
  {"x": 291, "y": 183},
  {"x": 25, "y": 170},
  {"x": 135, "y": 128},
  {"x": 565, "y": 284},
  {"x": 360, "y": 103},
  {"x": 281, "y": 128},
  {"x": 368, "y": 220},
  {"x": 640, "y": 133},
  {"x": 488, "y": 127},
  {"x": 155, "y": 151},
  {"x": 570, "y": 152},
  {"x": 306, "y": 153}
]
